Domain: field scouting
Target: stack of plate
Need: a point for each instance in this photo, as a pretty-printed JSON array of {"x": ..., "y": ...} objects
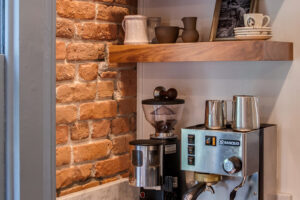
[{"x": 251, "y": 33}]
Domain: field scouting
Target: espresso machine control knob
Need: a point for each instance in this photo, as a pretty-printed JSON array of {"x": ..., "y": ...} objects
[{"x": 232, "y": 165}]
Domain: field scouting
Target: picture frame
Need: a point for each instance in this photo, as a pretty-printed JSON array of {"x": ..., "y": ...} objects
[{"x": 222, "y": 26}]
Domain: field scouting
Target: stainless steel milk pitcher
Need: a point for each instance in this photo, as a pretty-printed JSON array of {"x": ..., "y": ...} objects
[
  {"x": 245, "y": 113},
  {"x": 215, "y": 114}
]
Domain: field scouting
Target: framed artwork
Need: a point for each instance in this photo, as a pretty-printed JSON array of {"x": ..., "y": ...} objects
[{"x": 228, "y": 15}]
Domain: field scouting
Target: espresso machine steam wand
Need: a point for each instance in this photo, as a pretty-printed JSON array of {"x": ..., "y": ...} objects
[{"x": 234, "y": 191}]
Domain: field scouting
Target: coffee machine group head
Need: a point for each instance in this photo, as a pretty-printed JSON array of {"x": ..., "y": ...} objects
[{"x": 155, "y": 163}]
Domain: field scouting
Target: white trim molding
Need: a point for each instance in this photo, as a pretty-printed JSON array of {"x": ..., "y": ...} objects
[
  {"x": 140, "y": 82},
  {"x": 30, "y": 99},
  {"x": 2, "y": 130}
]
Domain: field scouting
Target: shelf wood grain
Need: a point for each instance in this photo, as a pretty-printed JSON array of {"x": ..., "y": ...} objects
[{"x": 256, "y": 50}]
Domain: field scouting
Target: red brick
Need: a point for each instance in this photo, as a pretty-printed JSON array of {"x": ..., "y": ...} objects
[
  {"x": 121, "y": 144},
  {"x": 75, "y": 92},
  {"x": 92, "y": 151},
  {"x": 101, "y": 128},
  {"x": 62, "y": 134},
  {"x": 127, "y": 2},
  {"x": 88, "y": 71},
  {"x": 127, "y": 106},
  {"x": 125, "y": 175},
  {"x": 85, "y": 51},
  {"x": 132, "y": 122},
  {"x": 64, "y": 28},
  {"x": 120, "y": 65},
  {"x": 106, "y": 1},
  {"x": 120, "y": 125},
  {"x": 85, "y": 91},
  {"x": 60, "y": 50},
  {"x": 98, "y": 110},
  {"x": 66, "y": 114},
  {"x": 111, "y": 13},
  {"x": 97, "y": 31},
  {"x": 112, "y": 166},
  {"x": 65, "y": 93},
  {"x": 108, "y": 74},
  {"x": 75, "y": 9},
  {"x": 65, "y": 72},
  {"x": 67, "y": 176},
  {"x": 108, "y": 180},
  {"x": 105, "y": 89},
  {"x": 127, "y": 85},
  {"x": 63, "y": 156},
  {"x": 80, "y": 130},
  {"x": 121, "y": 35}
]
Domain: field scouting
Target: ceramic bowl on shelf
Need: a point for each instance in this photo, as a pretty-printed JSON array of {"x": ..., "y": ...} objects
[{"x": 167, "y": 34}]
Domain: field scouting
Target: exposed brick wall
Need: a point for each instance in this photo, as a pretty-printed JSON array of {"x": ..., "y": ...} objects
[{"x": 96, "y": 101}]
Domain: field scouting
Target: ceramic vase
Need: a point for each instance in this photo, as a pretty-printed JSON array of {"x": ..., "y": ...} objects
[{"x": 190, "y": 34}]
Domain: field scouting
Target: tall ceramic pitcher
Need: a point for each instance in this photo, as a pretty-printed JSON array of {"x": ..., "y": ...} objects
[{"x": 135, "y": 28}]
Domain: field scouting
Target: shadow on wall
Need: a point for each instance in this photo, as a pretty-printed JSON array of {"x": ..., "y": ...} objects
[{"x": 223, "y": 80}]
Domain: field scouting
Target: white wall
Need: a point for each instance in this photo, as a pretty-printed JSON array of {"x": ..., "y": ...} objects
[{"x": 276, "y": 83}]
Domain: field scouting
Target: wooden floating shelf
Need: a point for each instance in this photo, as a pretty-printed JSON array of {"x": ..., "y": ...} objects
[{"x": 255, "y": 50}]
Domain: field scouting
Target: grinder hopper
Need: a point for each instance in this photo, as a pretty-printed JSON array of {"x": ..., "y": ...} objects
[{"x": 163, "y": 115}]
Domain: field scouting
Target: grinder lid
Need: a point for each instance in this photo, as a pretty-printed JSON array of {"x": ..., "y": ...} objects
[
  {"x": 162, "y": 102},
  {"x": 146, "y": 143}
]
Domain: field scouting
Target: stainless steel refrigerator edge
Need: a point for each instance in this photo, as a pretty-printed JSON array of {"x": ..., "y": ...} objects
[{"x": 257, "y": 151}]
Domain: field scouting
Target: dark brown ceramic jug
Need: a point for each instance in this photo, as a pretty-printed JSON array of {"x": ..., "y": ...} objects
[{"x": 190, "y": 34}]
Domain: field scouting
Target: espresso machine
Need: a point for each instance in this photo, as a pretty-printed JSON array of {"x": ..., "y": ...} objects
[
  {"x": 229, "y": 164},
  {"x": 155, "y": 162}
]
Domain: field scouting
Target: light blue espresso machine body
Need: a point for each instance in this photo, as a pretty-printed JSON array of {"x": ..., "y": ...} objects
[{"x": 210, "y": 152}]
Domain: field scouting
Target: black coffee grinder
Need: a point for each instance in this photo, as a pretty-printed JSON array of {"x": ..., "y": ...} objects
[{"x": 155, "y": 163}]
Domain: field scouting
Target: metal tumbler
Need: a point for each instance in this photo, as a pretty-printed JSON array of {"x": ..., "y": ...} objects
[
  {"x": 215, "y": 114},
  {"x": 245, "y": 113}
]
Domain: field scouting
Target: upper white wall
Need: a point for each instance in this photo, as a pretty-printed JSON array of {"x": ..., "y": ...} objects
[{"x": 276, "y": 83}]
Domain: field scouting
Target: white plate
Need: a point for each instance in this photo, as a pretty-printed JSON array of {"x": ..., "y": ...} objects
[
  {"x": 253, "y": 37},
  {"x": 252, "y": 28},
  {"x": 253, "y": 33}
]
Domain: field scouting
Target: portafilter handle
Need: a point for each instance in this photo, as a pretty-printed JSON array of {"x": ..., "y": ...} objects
[
  {"x": 194, "y": 192},
  {"x": 234, "y": 191}
]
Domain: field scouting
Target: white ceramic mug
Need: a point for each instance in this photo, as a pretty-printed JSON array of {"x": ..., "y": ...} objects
[
  {"x": 135, "y": 28},
  {"x": 256, "y": 20}
]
